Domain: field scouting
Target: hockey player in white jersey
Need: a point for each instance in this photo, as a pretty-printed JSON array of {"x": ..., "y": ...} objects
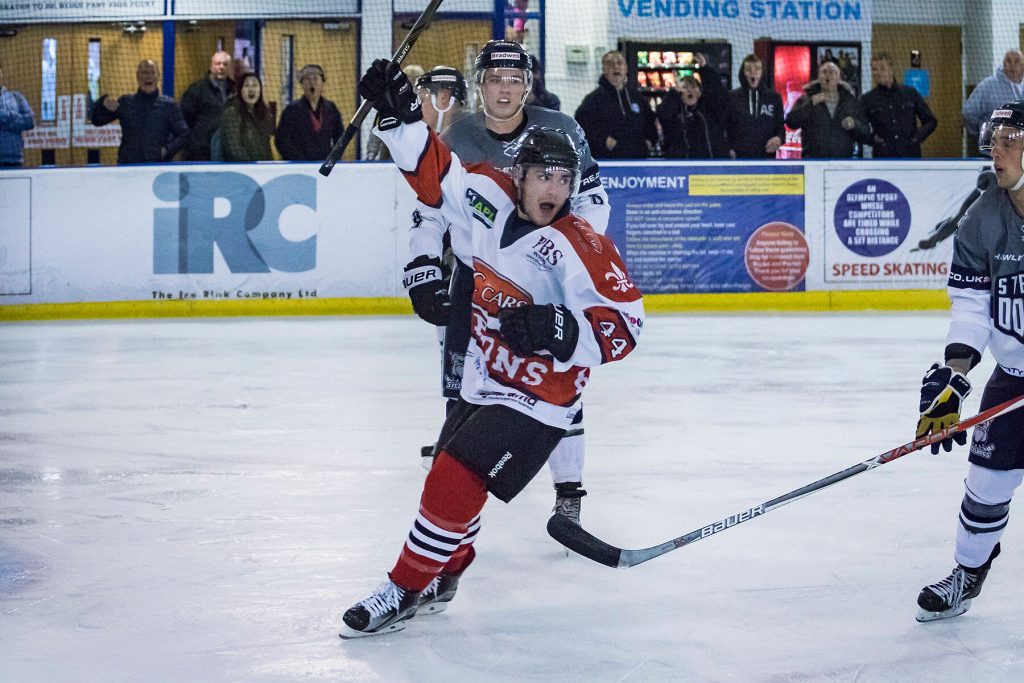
[
  {"x": 551, "y": 299},
  {"x": 503, "y": 75},
  {"x": 986, "y": 286}
]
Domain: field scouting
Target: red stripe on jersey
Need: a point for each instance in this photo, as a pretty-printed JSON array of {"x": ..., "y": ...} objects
[
  {"x": 600, "y": 257},
  {"x": 493, "y": 292},
  {"x": 503, "y": 180},
  {"x": 611, "y": 332},
  {"x": 431, "y": 168}
]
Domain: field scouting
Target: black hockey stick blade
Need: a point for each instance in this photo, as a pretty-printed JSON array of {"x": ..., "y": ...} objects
[
  {"x": 581, "y": 541},
  {"x": 421, "y": 25}
]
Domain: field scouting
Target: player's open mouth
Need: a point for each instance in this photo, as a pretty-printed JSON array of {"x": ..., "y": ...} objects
[{"x": 547, "y": 206}]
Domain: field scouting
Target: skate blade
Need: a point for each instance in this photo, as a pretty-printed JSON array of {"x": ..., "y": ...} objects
[
  {"x": 348, "y": 633},
  {"x": 433, "y": 608},
  {"x": 924, "y": 616}
]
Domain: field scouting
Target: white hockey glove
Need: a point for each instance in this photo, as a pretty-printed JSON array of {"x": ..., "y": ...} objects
[
  {"x": 427, "y": 286},
  {"x": 943, "y": 390}
]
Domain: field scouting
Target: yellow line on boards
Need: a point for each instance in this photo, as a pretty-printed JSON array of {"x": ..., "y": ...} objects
[{"x": 878, "y": 300}]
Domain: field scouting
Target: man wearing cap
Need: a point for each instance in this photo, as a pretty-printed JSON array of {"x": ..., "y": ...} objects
[{"x": 310, "y": 125}]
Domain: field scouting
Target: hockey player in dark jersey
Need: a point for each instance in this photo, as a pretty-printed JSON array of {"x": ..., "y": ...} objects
[
  {"x": 986, "y": 287},
  {"x": 503, "y": 73},
  {"x": 551, "y": 299}
]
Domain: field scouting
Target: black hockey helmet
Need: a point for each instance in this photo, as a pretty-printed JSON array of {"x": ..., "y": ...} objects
[
  {"x": 550, "y": 148},
  {"x": 1008, "y": 116},
  {"x": 444, "y": 77},
  {"x": 502, "y": 54}
]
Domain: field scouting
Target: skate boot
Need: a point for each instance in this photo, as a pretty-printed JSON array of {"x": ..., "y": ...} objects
[
  {"x": 427, "y": 457},
  {"x": 952, "y": 596},
  {"x": 568, "y": 496},
  {"x": 387, "y": 609},
  {"x": 439, "y": 592}
]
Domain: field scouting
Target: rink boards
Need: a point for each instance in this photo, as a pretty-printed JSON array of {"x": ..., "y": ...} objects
[{"x": 277, "y": 238}]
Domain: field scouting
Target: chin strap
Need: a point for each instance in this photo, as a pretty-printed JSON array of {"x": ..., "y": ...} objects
[{"x": 1020, "y": 183}]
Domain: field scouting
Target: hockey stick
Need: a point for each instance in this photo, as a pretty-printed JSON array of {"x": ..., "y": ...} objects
[
  {"x": 421, "y": 25},
  {"x": 577, "y": 539}
]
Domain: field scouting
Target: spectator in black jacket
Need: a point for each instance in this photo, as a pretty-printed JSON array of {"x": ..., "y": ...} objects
[
  {"x": 203, "y": 105},
  {"x": 615, "y": 118},
  {"x": 754, "y": 125},
  {"x": 152, "y": 127},
  {"x": 310, "y": 125},
  {"x": 539, "y": 95},
  {"x": 829, "y": 116},
  {"x": 692, "y": 116},
  {"x": 893, "y": 110}
]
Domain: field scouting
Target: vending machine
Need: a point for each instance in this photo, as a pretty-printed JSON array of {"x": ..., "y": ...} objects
[
  {"x": 788, "y": 66},
  {"x": 656, "y": 67}
]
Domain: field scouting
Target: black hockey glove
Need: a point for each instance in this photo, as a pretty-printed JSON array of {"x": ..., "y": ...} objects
[
  {"x": 943, "y": 390},
  {"x": 389, "y": 91},
  {"x": 428, "y": 289},
  {"x": 528, "y": 329}
]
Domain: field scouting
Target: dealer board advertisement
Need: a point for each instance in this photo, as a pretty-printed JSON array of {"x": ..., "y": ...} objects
[
  {"x": 691, "y": 229},
  {"x": 891, "y": 228}
]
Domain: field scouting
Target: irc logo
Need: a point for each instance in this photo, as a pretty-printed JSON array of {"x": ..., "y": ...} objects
[{"x": 248, "y": 235}]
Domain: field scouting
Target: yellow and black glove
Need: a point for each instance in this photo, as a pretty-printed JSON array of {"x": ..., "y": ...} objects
[{"x": 943, "y": 391}]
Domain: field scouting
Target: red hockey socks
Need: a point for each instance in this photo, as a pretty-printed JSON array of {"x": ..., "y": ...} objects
[{"x": 442, "y": 535}]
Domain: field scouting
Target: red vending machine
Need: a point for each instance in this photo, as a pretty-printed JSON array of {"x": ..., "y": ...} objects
[{"x": 788, "y": 66}]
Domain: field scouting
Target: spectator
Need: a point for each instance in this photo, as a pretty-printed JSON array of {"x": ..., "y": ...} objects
[
  {"x": 247, "y": 124},
  {"x": 1005, "y": 85},
  {"x": 615, "y": 117},
  {"x": 442, "y": 92},
  {"x": 376, "y": 150},
  {"x": 829, "y": 117},
  {"x": 203, "y": 105},
  {"x": 754, "y": 120},
  {"x": 692, "y": 115},
  {"x": 310, "y": 125},
  {"x": 539, "y": 95},
  {"x": 15, "y": 116},
  {"x": 893, "y": 110},
  {"x": 152, "y": 126}
]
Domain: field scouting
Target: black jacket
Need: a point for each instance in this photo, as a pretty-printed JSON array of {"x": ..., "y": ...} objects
[
  {"x": 822, "y": 134},
  {"x": 619, "y": 114},
  {"x": 298, "y": 140},
  {"x": 697, "y": 132},
  {"x": 203, "y": 105},
  {"x": 754, "y": 117},
  {"x": 893, "y": 114},
  {"x": 148, "y": 123}
]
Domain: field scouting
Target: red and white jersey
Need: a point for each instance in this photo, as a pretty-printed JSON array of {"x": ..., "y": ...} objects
[{"x": 517, "y": 263}]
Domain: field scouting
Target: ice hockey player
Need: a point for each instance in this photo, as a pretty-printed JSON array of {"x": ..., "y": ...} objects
[
  {"x": 503, "y": 75},
  {"x": 442, "y": 92},
  {"x": 986, "y": 286},
  {"x": 551, "y": 299}
]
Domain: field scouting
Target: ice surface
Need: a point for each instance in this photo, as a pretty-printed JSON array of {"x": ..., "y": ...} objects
[{"x": 202, "y": 499}]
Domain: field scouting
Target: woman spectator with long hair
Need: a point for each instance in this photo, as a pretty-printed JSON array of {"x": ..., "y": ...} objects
[{"x": 248, "y": 124}]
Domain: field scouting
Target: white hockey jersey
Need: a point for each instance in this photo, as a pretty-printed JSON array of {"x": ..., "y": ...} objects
[
  {"x": 986, "y": 281},
  {"x": 517, "y": 263}
]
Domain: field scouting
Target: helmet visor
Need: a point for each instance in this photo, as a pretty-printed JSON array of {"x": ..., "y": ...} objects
[{"x": 996, "y": 133}]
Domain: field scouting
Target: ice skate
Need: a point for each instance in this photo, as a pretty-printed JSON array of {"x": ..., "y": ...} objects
[
  {"x": 439, "y": 592},
  {"x": 387, "y": 610},
  {"x": 952, "y": 596},
  {"x": 568, "y": 497},
  {"x": 427, "y": 457}
]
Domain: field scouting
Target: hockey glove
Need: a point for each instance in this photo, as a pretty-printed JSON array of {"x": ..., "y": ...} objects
[
  {"x": 943, "y": 390},
  {"x": 389, "y": 91},
  {"x": 425, "y": 282},
  {"x": 528, "y": 329}
]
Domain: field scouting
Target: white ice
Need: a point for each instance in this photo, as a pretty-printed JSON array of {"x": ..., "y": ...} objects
[{"x": 202, "y": 499}]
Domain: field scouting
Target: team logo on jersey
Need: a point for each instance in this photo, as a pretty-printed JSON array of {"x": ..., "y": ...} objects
[
  {"x": 1008, "y": 305},
  {"x": 483, "y": 210},
  {"x": 619, "y": 277},
  {"x": 493, "y": 292},
  {"x": 544, "y": 254}
]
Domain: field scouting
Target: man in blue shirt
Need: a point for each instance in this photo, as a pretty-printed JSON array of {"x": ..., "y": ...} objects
[{"x": 15, "y": 116}]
